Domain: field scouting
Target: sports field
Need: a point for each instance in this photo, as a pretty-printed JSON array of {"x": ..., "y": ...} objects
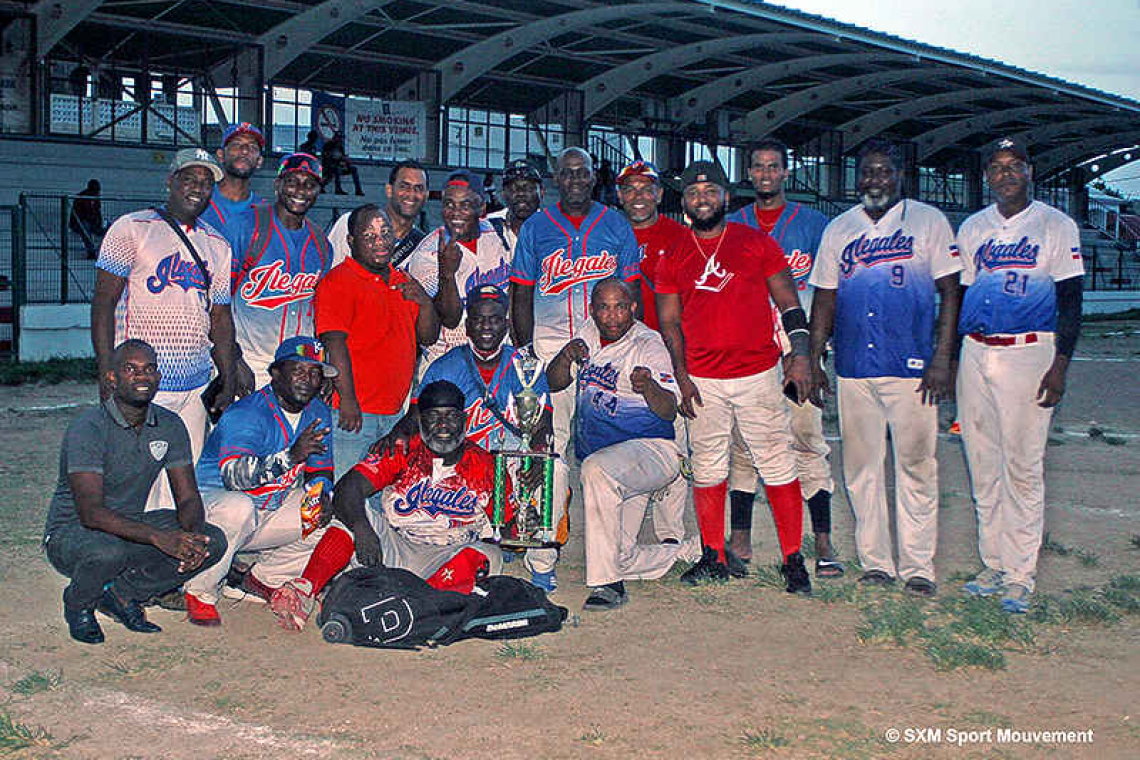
[{"x": 740, "y": 670}]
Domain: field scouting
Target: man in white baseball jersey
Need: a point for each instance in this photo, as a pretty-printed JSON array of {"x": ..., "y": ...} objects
[
  {"x": 879, "y": 267},
  {"x": 627, "y": 401},
  {"x": 1021, "y": 315},
  {"x": 797, "y": 229},
  {"x": 714, "y": 299}
]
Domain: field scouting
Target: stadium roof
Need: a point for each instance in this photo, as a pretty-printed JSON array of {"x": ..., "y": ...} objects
[{"x": 642, "y": 66}]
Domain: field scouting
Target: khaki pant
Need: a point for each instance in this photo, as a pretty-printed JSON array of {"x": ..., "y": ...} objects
[
  {"x": 808, "y": 445},
  {"x": 189, "y": 407}
]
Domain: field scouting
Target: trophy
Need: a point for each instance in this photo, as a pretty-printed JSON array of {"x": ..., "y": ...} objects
[{"x": 534, "y": 518}]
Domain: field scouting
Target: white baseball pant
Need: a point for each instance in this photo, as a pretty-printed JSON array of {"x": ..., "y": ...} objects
[
  {"x": 867, "y": 407},
  {"x": 1005, "y": 434},
  {"x": 189, "y": 407},
  {"x": 275, "y": 535},
  {"x": 754, "y": 405},
  {"x": 667, "y": 506},
  {"x": 617, "y": 482},
  {"x": 422, "y": 559},
  {"x": 808, "y": 445}
]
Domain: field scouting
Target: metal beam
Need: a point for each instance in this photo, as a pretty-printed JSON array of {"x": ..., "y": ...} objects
[
  {"x": 1068, "y": 155},
  {"x": 1041, "y": 134},
  {"x": 863, "y": 128},
  {"x": 935, "y": 140},
  {"x": 695, "y": 104},
  {"x": 54, "y": 19},
  {"x": 460, "y": 69},
  {"x": 768, "y": 117},
  {"x": 1113, "y": 162}
]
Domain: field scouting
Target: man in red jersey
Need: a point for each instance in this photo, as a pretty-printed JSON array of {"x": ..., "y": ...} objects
[{"x": 716, "y": 320}]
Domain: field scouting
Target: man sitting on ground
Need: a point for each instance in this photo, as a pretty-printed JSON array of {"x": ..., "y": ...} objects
[
  {"x": 434, "y": 511},
  {"x": 97, "y": 533}
]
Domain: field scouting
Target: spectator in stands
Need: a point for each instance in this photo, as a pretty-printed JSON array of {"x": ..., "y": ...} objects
[
  {"x": 336, "y": 165},
  {"x": 87, "y": 217},
  {"x": 311, "y": 144},
  {"x": 406, "y": 192}
]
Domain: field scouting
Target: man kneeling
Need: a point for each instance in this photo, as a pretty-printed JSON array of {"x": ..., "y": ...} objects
[{"x": 433, "y": 513}]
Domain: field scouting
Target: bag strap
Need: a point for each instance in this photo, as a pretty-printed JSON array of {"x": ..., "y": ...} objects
[
  {"x": 166, "y": 217},
  {"x": 490, "y": 403},
  {"x": 456, "y": 628},
  {"x": 499, "y": 225}
]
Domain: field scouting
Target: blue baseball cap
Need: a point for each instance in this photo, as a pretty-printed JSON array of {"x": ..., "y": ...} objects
[
  {"x": 487, "y": 292},
  {"x": 304, "y": 348},
  {"x": 243, "y": 128}
]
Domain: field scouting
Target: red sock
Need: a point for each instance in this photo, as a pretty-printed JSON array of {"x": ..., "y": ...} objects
[
  {"x": 460, "y": 572},
  {"x": 709, "y": 504},
  {"x": 787, "y": 505},
  {"x": 332, "y": 553}
]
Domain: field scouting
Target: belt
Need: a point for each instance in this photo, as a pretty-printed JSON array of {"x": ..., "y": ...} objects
[{"x": 1006, "y": 340}]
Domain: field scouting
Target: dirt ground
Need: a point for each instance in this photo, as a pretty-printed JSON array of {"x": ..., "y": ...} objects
[{"x": 740, "y": 670}]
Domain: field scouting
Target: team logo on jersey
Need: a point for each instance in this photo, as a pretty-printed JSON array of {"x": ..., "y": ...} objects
[
  {"x": 481, "y": 423},
  {"x": 267, "y": 287},
  {"x": 714, "y": 277},
  {"x": 499, "y": 276},
  {"x": 800, "y": 263},
  {"x": 437, "y": 500},
  {"x": 993, "y": 255},
  {"x": 175, "y": 270},
  {"x": 158, "y": 449},
  {"x": 599, "y": 376},
  {"x": 868, "y": 252},
  {"x": 561, "y": 273}
]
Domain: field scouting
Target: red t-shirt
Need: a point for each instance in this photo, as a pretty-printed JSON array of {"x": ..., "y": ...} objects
[
  {"x": 726, "y": 316},
  {"x": 381, "y": 328},
  {"x": 654, "y": 242}
]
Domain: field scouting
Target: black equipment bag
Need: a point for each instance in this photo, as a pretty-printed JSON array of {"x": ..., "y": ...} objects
[{"x": 391, "y": 608}]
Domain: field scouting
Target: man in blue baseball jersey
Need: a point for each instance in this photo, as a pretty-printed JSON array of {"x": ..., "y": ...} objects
[
  {"x": 879, "y": 267},
  {"x": 1021, "y": 315},
  {"x": 260, "y": 460},
  {"x": 562, "y": 252},
  {"x": 797, "y": 229},
  {"x": 232, "y": 199}
]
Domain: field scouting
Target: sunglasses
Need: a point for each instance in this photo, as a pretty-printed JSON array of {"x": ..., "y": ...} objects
[{"x": 300, "y": 162}]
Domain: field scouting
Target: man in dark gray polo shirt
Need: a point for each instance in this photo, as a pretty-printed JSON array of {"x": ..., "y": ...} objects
[{"x": 97, "y": 532}]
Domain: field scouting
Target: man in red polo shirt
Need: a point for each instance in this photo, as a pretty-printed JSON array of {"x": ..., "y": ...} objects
[
  {"x": 370, "y": 318},
  {"x": 712, "y": 299}
]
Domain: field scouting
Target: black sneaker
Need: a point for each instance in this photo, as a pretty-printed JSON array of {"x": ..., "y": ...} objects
[
  {"x": 708, "y": 569},
  {"x": 796, "y": 574},
  {"x": 736, "y": 566}
]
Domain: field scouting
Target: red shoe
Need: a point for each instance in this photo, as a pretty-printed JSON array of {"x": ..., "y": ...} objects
[
  {"x": 293, "y": 603},
  {"x": 956, "y": 428},
  {"x": 255, "y": 590},
  {"x": 202, "y": 613}
]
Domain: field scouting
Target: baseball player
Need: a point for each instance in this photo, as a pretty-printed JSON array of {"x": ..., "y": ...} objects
[
  {"x": 627, "y": 400},
  {"x": 1021, "y": 315},
  {"x": 406, "y": 191},
  {"x": 279, "y": 257},
  {"x": 522, "y": 192},
  {"x": 240, "y": 157},
  {"x": 797, "y": 229},
  {"x": 161, "y": 277},
  {"x": 458, "y": 257},
  {"x": 562, "y": 251},
  {"x": 716, "y": 319},
  {"x": 434, "y": 511},
  {"x": 878, "y": 269}
]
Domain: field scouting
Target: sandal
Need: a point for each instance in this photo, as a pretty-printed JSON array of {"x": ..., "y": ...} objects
[{"x": 828, "y": 568}]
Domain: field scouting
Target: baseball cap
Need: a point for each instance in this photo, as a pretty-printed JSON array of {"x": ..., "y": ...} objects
[
  {"x": 464, "y": 178},
  {"x": 300, "y": 162},
  {"x": 1008, "y": 145},
  {"x": 703, "y": 171},
  {"x": 243, "y": 128},
  {"x": 441, "y": 393},
  {"x": 638, "y": 169},
  {"x": 304, "y": 348},
  {"x": 487, "y": 293},
  {"x": 196, "y": 157},
  {"x": 521, "y": 168}
]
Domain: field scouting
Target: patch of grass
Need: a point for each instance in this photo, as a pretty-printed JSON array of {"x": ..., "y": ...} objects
[
  {"x": 705, "y": 595},
  {"x": 960, "y": 576},
  {"x": 520, "y": 650},
  {"x": 1083, "y": 605},
  {"x": 1087, "y": 558},
  {"x": 16, "y": 736},
  {"x": 595, "y": 736},
  {"x": 1054, "y": 547},
  {"x": 892, "y": 620},
  {"x": 765, "y": 738},
  {"x": 37, "y": 681},
  {"x": 986, "y": 621},
  {"x": 949, "y": 653},
  {"x": 831, "y": 591},
  {"x": 52, "y": 371},
  {"x": 986, "y": 718},
  {"x": 769, "y": 576}
]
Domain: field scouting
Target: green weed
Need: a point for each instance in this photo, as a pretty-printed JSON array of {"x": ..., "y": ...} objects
[
  {"x": 891, "y": 620},
  {"x": 15, "y": 736},
  {"x": 37, "y": 681},
  {"x": 1054, "y": 547},
  {"x": 949, "y": 653},
  {"x": 766, "y": 738},
  {"x": 595, "y": 736},
  {"x": 516, "y": 650}
]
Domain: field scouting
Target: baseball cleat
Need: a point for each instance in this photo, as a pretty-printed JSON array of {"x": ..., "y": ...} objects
[
  {"x": 708, "y": 569},
  {"x": 202, "y": 613},
  {"x": 796, "y": 574},
  {"x": 605, "y": 598}
]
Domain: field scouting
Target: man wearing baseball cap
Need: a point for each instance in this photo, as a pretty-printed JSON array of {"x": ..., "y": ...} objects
[
  {"x": 162, "y": 276},
  {"x": 713, "y": 301},
  {"x": 522, "y": 192},
  {"x": 240, "y": 156},
  {"x": 263, "y": 456},
  {"x": 279, "y": 256}
]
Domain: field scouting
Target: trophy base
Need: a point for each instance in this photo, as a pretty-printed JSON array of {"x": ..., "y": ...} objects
[{"x": 527, "y": 543}]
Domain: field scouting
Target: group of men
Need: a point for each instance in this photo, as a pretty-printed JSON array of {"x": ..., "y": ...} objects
[{"x": 661, "y": 348}]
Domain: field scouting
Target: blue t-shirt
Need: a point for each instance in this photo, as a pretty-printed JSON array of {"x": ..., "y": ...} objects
[{"x": 226, "y": 216}]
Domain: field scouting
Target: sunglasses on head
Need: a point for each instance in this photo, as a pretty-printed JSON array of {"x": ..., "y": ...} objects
[{"x": 300, "y": 162}]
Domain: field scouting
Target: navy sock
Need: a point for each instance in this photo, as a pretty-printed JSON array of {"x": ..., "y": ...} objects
[
  {"x": 741, "y": 507},
  {"x": 819, "y": 506}
]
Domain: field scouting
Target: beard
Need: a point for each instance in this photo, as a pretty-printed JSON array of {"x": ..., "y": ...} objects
[
  {"x": 766, "y": 195},
  {"x": 704, "y": 225},
  {"x": 873, "y": 205},
  {"x": 438, "y": 447}
]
